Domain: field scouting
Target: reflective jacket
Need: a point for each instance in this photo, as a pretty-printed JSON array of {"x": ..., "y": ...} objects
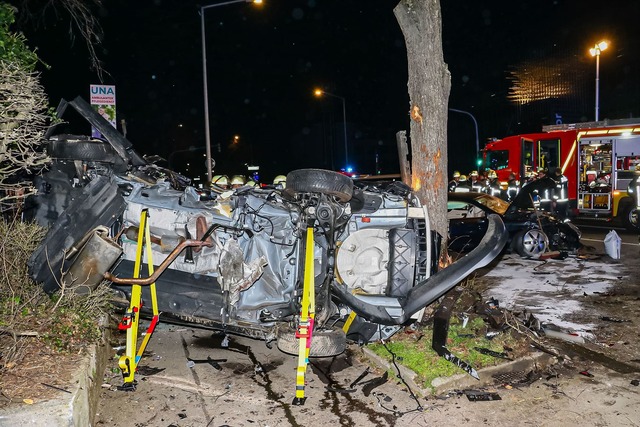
[
  {"x": 561, "y": 193},
  {"x": 634, "y": 190}
]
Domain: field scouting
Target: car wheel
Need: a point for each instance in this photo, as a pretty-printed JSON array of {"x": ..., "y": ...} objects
[
  {"x": 320, "y": 181},
  {"x": 324, "y": 343},
  {"x": 630, "y": 218},
  {"x": 531, "y": 243}
]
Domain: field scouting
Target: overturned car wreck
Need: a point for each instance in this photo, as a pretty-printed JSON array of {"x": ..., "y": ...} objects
[{"x": 374, "y": 258}]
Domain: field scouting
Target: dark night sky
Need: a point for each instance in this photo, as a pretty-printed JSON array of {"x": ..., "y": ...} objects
[{"x": 263, "y": 63}]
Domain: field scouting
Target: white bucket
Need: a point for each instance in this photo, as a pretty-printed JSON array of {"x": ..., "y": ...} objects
[{"x": 612, "y": 244}]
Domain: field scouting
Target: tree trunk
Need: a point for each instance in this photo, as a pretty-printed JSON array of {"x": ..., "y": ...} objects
[{"x": 429, "y": 85}]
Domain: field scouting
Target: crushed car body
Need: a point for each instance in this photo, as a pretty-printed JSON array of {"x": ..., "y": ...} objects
[
  {"x": 531, "y": 230},
  {"x": 375, "y": 262}
]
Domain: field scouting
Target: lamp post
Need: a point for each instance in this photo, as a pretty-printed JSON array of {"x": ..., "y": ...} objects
[
  {"x": 475, "y": 123},
  {"x": 207, "y": 133},
  {"x": 319, "y": 93},
  {"x": 595, "y": 51}
]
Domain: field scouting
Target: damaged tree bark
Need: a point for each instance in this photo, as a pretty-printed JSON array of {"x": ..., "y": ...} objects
[{"x": 429, "y": 85}]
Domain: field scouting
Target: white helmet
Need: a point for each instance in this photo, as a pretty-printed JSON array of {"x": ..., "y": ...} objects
[
  {"x": 237, "y": 180},
  {"x": 221, "y": 180},
  {"x": 280, "y": 180}
]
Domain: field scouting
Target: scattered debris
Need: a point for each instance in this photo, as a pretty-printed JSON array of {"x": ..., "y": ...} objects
[
  {"x": 340, "y": 390},
  {"x": 492, "y": 334},
  {"x": 368, "y": 386},
  {"x": 441, "y": 330},
  {"x": 635, "y": 382},
  {"x": 614, "y": 319},
  {"x": 148, "y": 371},
  {"x": 499, "y": 355},
  {"x": 360, "y": 378},
  {"x": 55, "y": 388},
  {"x": 586, "y": 373},
  {"x": 565, "y": 336},
  {"x": 481, "y": 396},
  {"x": 213, "y": 362}
]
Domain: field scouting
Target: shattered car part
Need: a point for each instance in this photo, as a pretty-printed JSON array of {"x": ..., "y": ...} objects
[
  {"x": 441, "y": 331},
  {"x": 531, "y": 231},
  {"x": 231, "y": 260}
]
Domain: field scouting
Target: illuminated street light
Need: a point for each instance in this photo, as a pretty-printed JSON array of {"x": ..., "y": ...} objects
[
  {"x": 207, "y": 133},
  {"x": 319, "y": 93},
  {"x": 595, "y": 51}
]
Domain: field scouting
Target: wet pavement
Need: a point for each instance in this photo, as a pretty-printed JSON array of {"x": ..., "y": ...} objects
[{"x": 247, "y": 384}]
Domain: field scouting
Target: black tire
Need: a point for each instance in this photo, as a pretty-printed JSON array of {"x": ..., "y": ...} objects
[
  {"x": 320, "y": 181},
  {"x": 530, "y": 243},
  {"x": 82, "y": 150},
  {"x": 324, "y": 343},
  {"x": 630, "y": 217}
]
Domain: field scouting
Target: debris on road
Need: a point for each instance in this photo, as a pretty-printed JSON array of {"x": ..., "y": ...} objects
[{"x": 481, "y": 396}]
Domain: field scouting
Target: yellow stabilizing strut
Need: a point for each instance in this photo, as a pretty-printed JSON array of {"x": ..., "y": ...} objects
[
  {"x": 129, "y": 362},
  {"x": 307, "y": 316}
]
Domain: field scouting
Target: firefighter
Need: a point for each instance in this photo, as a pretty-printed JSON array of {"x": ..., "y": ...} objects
[
  {"x": 493, "y": 185},
  {"x": 474, "y": 181},
  {"x": 463, "y": 185},
  {"x": 454, "y": 182},
  {"x": 237, "y": 181},
  {"x": 221, "y": 181},
  {"x": 546, "y": 196},
  {"x": 561, "y": 194},
  {"x": 634, "y": 188},
  {"x": 280, "y": 182},
  {"x": 512, "y": 187}
]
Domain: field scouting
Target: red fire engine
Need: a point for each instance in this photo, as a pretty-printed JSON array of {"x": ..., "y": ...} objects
[{"x": 598, "y": 159}]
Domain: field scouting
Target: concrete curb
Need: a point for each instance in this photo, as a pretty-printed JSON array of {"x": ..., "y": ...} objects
[
  {"x": 77, "y": 408},
  {"x": 463, "y": 381}
]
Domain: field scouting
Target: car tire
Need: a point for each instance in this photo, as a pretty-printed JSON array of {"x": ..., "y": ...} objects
[
  {"x": 320, "y": 181},
  {"x": 630, "y": 218},
  {"x": 531, "y": 243},
  {"x": 324, "y": 343}
]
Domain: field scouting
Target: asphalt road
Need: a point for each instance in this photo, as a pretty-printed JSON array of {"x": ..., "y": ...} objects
[{"x": 254, "y": 386}]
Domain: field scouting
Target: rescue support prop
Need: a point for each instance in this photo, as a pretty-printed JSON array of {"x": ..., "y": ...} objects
[
  {"x": 129, "y": 361},
  {"x": 304, "y": 332}
]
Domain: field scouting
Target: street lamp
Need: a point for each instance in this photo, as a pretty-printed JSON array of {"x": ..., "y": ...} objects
[
  {"x": 319, "y": 93},
  {"x": 207, "y": 134},
  {"x": 475, "y": 123},
  {"x": 595, "y": 51}
]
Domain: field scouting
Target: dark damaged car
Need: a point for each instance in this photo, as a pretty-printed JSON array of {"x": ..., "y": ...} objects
[
  {"x": 373, "y": 253},
  {"x": 532, "y": 231}
]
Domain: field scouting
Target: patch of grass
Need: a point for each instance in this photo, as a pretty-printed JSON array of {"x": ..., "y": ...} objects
[{"x": 414, "y": 351}]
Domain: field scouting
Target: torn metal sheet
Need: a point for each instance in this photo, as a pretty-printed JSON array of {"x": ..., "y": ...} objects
[{"x": 441, "y": 320}]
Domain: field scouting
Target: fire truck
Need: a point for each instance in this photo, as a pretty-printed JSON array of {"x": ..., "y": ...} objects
[{"x": 598, "y": 158}]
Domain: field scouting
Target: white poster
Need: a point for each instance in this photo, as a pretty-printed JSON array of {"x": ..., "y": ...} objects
[{"x": 103, "y": 100}]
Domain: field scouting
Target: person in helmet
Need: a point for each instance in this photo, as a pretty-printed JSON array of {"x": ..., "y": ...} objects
[
  {"x": 492, "y": 186},
  {"x": 251, "y": 183},
  {"x": 237, "y": 181},
  {"x": 463, "y": 185},
  {"x": 634, "y": 190},
  {"x": 280, "y": 182},
  {"x": 221, "y": 181},
  {"x": 474, "y": 181},
  {"x": 454, "y": 182},
  {"x": 513, "y": 187}
]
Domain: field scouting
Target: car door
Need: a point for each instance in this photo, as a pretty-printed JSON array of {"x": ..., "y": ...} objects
[{"x": 467, "y": 224}]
